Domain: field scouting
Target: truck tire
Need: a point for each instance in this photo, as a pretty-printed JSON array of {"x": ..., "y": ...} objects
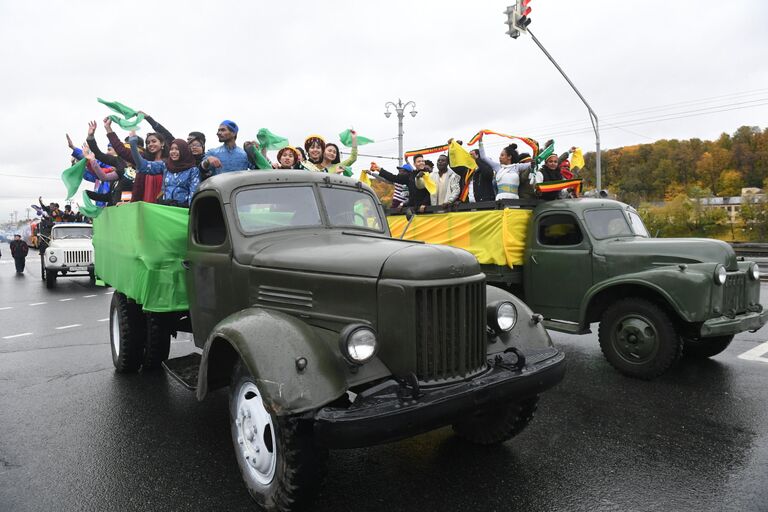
[
  {"x": 279, "y": 462},
  {"x": 42, "y": 267},
  {"x": 498, "y": 424},
  {"x": 638, "y": 338},
  {"x": 706, "y": 347},
  {"x": 127, "y": 331},
  {"x": 92, "y": 277},
  {"x": 50, "y": 279},
  {"x": 158, "y": 344}
]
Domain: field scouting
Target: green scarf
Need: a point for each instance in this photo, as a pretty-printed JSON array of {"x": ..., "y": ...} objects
[
  {"x": 89, "y": 209},
  {"x": 346, "y": 138},
  {"x": 270, "y": 141},
  {"x": 130, "y": 120},
  {"x": 73, "y": 177}
]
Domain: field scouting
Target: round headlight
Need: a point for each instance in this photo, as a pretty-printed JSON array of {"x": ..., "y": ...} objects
[
  {"x": 52, "y": 258},
  {"x": 358, "y": 344},
  {"x": 754, "y": 271},
  {"x": 720, "y": 275},
  {"x": 506, "y": 316}
]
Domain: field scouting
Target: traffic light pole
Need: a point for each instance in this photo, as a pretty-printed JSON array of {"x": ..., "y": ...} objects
[{"x": 592, "y": 115}]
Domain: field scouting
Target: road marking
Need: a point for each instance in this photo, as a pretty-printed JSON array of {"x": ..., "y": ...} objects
[
  {"x": 103, "y": 320},
  {"x": 758, "y": 353},
  {"x": 88, "y": 296},
  {"x": 65, "y": 300},
  {"x": 7, "y": 307},
  {"x": 68, "y": 326},
  {"x": 17, "y": 335},
  {"x": 38, "y": 303}
]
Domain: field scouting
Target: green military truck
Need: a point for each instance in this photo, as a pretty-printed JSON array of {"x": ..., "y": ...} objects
[
  {"x": 329, "y": 332},
  {"x": 579, "y": 261}
]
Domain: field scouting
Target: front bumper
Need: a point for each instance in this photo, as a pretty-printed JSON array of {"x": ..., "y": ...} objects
[
  {"x": 86, "y": 269},
  {"x": 725, "y": 326},
  {"x": 391, "y": 413}
]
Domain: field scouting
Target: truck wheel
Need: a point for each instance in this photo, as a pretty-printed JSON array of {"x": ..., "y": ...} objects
[
  {"x": 158, "y": 344},
  {"x": 278, "y": 460},
  {"x": 92, "y": 277},
  {"x": 639, "y": 339},
  {"x": 498, "y": 424},
  {"x": 126, "y": 333},
  {"x": 42, "y": 267},
  {"x": 50, "y": 279},
  {"x": 706, "y": 347}
]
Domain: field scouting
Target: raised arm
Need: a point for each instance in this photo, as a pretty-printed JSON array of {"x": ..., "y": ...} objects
[
  {"x": 494, "y": 165},
  {"x": 352, "y": 156},
  {"x": 94, "y": 147},
  {"x": 393, "y": 178},
  {"x": 256, "y": 157},
  {"x": 117, "y": 144},
  {"x": 158, "y": 127}
]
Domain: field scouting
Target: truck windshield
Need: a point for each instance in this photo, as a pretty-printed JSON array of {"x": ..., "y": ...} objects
[
  {"x": 607, "y": 224},
  {"x": 351, "y": 208},
  {"x": 265, "y": 208},
  {"x": 637, "y": 225},
  {"x": 61, "y": 233}
]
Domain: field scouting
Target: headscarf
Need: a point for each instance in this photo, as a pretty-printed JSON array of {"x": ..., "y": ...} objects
[{"x": 186, "y": 158}]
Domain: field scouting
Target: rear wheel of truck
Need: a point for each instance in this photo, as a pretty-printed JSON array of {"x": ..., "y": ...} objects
[
  {"x": 638, "y": 338},
  {"x": 50, "y": 279},
  {"x": 706, "y": 347},
  {"x": 127, "y": 332},
  {"x": 497, "y": 424},
  {"x": 279, "y": 462},
  {"x": 158, "y": 343}
]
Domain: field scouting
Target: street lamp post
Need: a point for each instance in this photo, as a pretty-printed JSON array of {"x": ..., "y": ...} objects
[{"x": 399, "y": 109}]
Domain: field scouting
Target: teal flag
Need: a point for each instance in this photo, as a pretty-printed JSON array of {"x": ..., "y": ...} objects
[
  {"x": 128, "y": 124},
  {"x": 73, "y": 177},
  {"x": 130, "y": 119},
  {"x": 270, "y": 141},
  {"x": 126, "y": 112},
  {"x": 88, "y": 208},
  {"x": 346, "y": 138}
]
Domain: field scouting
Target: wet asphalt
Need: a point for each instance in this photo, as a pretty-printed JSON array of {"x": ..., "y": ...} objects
[{"x": 74, "y": 435}]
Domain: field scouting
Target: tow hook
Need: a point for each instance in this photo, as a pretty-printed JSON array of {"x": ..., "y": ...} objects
[
  {"x": 511, "y": 359},
  {"x": 409, "y": 385}
]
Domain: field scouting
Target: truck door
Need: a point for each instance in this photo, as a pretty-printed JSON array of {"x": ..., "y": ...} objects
[
  {"x": 558, "y": 268},
  {"x": 209, "y": 259}
]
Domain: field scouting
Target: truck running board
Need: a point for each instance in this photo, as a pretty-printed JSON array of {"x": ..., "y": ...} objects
[
  {"x": 184, "y": 369},
  {"x": 566, "y": 327}
]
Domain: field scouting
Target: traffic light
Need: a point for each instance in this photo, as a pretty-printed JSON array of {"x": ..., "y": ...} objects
[
  {"x": 511, "y": 13},
  {"x": 522, "y": 18}
]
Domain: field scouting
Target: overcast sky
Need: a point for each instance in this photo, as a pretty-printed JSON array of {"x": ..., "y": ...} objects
[{"x": 650, "y": 70}]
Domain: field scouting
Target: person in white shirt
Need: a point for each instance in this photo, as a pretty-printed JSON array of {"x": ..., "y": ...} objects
[{"x": 448, "y": 183}]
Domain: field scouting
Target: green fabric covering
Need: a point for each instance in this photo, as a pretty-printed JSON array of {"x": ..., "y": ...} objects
[
  {"x": 128, "y": 124},
  {"x": 138, "y": 250},
  {"x": 270, "y": 141},
  {"x": 73, "y": 177},
  {"x": 260, "y": 160},
  {"x": 346, "y": 138},
  {"x": 88, "y": 208}
]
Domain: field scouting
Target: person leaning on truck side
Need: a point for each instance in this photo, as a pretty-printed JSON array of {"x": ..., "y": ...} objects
[
  {"x": 551, "y": 172},
  {"x": 480, "y": 184},
  {"x": 332, "y": 157},
  {"x": 287, "y": 158},
  {"x": 145, "y": 188},
  {"x": 181, "y": 177},
  {"x": 229, "y": 156},
  {"x": 418, "y": 195},
  {"x": 124, "y": 172},
  {"x": 506, "y": 171},
  {"x": 448, "y": 183}
]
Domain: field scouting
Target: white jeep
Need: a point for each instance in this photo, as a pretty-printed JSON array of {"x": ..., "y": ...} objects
[{"x": 69, "y": 253}]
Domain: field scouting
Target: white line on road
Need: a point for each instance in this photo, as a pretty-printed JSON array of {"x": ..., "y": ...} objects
[
  {"x": 7, "y": 307},
  {"x": 88, "y": 296},
  {"x": 65, "y": 300},
  {"x": 758, "y": 353},
  {"x": 68, "y": 326},
  {"x": 103, "y": 320},
  {"x": 38, "y": 303},
  {"x": 17, "y": 335}
]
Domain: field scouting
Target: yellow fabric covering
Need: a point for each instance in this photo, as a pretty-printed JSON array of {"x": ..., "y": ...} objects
[{"x": 495, "y": 237}]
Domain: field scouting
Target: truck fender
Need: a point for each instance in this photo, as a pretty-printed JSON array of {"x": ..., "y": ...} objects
[
  {"x": 272, "y": 345},
  {"x": 647, "y": 285},
  {"x": 526, "y": 335}
]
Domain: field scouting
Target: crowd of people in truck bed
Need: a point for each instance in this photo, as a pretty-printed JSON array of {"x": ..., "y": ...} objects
[{"x": 161, "y": 168}]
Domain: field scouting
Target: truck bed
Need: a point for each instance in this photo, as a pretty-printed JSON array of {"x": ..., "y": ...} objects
[{"x": 139, "y": 249}]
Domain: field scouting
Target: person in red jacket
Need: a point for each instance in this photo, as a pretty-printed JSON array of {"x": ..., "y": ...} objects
[{"x": 19, "y": 250}]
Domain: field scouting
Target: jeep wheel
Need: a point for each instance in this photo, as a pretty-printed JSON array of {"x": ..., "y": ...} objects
[
  {"x": 126, "y": 332},
  {"x": 158, "y": 344},
  {"x": 639, "y": 339},
  {"x": 706, "y": 347},
  {"x": 42, "y": 267},
  {"x": 498, "y": 424},
  {"x": 92, "y": 277},
  {"x": 277, "y": 457},
  {"x": 50, "y": 279}
]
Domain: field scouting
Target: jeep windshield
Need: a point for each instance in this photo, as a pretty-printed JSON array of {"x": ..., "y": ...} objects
[
  {"x": 64, "y": 233},
  {"x": 614, "y": 223},
  {"x": 268, "y": 208}
]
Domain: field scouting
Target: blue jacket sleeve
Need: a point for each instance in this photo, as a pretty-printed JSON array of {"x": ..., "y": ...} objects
[
  {"x": 77, "y": 153},
  {"x": 142, "y": 165}
]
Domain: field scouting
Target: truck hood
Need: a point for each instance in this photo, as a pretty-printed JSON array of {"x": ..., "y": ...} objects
[
  {"x": 633, "y": 254},
  {"x": 348, "y": 253},
  {"x": 72, "y": 243}
]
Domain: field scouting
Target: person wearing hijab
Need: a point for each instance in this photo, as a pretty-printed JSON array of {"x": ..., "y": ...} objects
[{"x": 180, "y": 173}]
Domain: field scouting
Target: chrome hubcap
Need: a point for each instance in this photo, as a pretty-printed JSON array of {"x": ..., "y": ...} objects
[{"x": 255, "y": 434}]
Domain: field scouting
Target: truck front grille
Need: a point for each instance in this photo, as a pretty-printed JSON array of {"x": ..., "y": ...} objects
[
  {"x": 734, "y": 300},
  {"x": 78, "y": 258},
  {"x": 450, "y": 331}
]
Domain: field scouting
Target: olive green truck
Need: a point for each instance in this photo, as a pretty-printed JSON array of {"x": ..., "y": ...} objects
[
  {"x": 329, "y": 332},
  {"x": 581, "y": 261}
]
